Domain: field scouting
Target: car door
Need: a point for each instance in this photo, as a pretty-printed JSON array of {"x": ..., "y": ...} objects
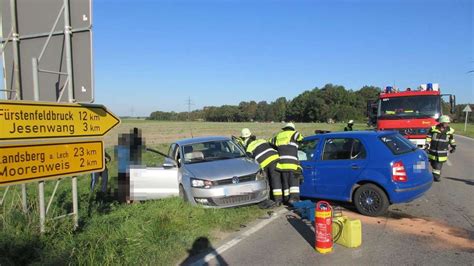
[
  {"x": 340, "y": 163},
  {"x": 307, "y": 156},
  {"x": 154, "y": 182}
]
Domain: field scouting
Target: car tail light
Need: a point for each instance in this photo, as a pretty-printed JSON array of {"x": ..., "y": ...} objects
[{"x": 398, "y": 172}]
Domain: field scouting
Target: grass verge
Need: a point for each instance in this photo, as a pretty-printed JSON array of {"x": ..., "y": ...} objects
[
  {"x": 160, "y": 232},
  {"x": 459, "y": 127}
]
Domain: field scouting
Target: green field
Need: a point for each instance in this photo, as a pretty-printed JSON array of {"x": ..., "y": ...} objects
[
  {"x": 459, "y": 127},
  {"x": 157, "y": 132}
]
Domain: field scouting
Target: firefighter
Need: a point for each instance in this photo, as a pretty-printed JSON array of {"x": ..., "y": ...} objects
[
  {"x": 349, "y": 125},
  {"x": 438, "y": 140},
  {"x": 244, "y": 136},
  {"x": 267, "y": 157},
  {"x": 286, "y": 142}
]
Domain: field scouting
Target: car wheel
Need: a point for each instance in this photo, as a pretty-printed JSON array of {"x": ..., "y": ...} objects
[
  {"x": 371, "y": 200},
  {"x": 182, "y": 193}
]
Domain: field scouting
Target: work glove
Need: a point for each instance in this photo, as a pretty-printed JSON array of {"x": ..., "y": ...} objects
[
  {"x": 426, "y": 147},
  {"x": 453, "y": 149}
]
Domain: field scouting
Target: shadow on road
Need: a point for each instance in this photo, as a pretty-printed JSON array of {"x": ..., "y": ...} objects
[
  {"x": 467, "y": 181},
  {"x": 202, "y": 247},
  {"x": 303, "y": 229}
]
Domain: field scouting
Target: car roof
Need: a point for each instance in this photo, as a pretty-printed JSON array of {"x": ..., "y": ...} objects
[
  {"x": 363, "y": 133},
  {"x": 188, "y": 141}
]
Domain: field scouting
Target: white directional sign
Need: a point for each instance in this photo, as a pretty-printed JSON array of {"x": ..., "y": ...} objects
[{"x": 467, "y": 109}]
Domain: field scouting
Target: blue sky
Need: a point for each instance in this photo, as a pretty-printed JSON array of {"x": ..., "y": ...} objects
[{"x": 153, "y": 55}]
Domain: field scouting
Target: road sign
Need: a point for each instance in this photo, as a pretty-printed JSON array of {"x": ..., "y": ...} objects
[
  {"x": 23, "y": 163},
  {"x": 34, "y": 23},
  {"x": 32, "y": 120},
  {"x": 467, "y": 109}
]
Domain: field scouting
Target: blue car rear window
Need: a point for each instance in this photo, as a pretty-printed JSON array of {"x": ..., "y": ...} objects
[{"x": 397, "y": 144}]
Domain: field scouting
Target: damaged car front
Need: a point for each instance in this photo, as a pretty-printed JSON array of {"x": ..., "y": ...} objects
[{"x": 216, "y": 172}]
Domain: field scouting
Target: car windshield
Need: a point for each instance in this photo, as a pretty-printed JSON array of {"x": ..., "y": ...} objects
[
  {"x": 211, "y": 151},
  {"x": 409, "y": 107},
  {"x": 398, "y": 144}
]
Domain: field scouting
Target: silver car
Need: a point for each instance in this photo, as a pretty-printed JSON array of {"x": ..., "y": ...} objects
[{"x": 209, "y": 171}]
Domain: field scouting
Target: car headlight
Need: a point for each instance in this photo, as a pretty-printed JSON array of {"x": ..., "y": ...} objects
[
  {"x": 260, "y": 175},
  {"x": 201, "y": 183}
]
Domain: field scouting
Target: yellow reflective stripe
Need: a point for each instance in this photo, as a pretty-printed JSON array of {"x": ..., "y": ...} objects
[
  {"x": 254, "y": 144},
  {"x": 287, "y": 166},
  {"x": 439, "y": 158},
  {"x": 390, "y": 112},
  {"x": 436, "y": 171},
  {"x": 277, "y": 192},
  {"x": 269, "y": 160},
  {"x": 286, "y": 192},
  {"x": 294, "y": 190}
]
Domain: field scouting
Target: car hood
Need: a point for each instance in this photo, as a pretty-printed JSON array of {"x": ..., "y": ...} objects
[{"x": 222, "y": 169}]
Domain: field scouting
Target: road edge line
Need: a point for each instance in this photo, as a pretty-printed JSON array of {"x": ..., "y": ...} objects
[
  {"x": 231, "y": 243},
  {"x": 463, "y": 137}
]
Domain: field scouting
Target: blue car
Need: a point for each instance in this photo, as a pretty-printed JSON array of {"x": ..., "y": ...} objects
[{"x": 371, "y": 169}]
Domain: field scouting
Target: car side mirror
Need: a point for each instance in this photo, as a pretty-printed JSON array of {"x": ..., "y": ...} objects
[{"x": 169, "y": 163}]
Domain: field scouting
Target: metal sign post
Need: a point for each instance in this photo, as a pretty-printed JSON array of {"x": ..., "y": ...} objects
[
  {"x": 16, "y": 56},
  {"x": 466, "y": 109},
  {"x": 46, "y": 161}
]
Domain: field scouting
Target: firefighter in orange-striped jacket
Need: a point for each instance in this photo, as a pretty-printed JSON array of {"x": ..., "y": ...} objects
[{"x": 286, "y": 142}]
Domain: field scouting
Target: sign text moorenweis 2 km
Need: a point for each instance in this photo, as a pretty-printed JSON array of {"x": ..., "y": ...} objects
[
  {"x": 32, "y": 120},
  {"x": 22, "y": 163}
]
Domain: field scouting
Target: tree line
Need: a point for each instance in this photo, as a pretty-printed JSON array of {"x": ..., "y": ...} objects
[{"x": 331, "y": 102}]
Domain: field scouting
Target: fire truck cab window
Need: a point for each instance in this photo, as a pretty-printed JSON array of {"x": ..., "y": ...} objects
[{"x": 414, "y": 106}]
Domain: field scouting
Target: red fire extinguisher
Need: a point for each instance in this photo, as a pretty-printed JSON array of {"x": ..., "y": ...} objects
[{"x": 323, "y": 227}]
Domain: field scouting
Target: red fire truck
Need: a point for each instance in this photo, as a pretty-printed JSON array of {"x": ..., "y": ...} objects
[{"x": 411, "y": 112}]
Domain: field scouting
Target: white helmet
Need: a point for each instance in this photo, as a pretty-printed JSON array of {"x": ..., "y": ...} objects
[
  {"x": 444, "y": 119},
  {"x": 289, "y": 125},
  {"x": 351, "y": 121},
  {"x": 245, "y": 133}
]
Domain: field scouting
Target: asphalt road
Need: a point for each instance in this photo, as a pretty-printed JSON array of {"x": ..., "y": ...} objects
[{"x": 436, "y": 229}]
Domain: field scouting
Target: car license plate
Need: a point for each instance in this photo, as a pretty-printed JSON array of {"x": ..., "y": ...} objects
[
  {"x": 229, "y": 191},
  {"x": 419, "y": 166}
]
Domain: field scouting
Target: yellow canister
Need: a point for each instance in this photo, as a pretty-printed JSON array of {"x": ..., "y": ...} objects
[{"x": 351, "y": 235}]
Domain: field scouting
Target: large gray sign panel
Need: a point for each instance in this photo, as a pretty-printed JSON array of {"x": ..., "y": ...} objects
[{"x": 35, "y": 19}]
